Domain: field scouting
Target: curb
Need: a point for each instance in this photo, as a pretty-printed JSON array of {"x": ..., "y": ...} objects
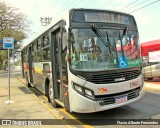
[
  {"x": 155, "y": 88},
  {"x": 20, "y": 79}
]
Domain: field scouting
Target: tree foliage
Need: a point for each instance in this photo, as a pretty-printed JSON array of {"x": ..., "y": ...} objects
[{"x": 12, "y": 24}]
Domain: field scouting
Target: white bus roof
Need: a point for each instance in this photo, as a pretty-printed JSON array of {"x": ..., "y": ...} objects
[{"x": 62, "y": 16}]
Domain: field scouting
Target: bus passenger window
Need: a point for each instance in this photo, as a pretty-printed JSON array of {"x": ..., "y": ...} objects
[
  {"x": 34, "y": 55},
  {"x": 39, "y": 43},
  {"x": 45, "y": 41},
  {"x": 39, "y": 55},
  {"x": 46, "y": 67},
  {"x": 46, "y": 54}
]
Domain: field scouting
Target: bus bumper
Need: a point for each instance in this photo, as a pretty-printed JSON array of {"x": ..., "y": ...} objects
[{"x": 81, "y": 104}]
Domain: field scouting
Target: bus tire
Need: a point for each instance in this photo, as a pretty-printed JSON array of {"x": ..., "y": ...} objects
[
  {"x": 51, "y": 96},
  {"x": 150, "y": 78},
  {"x": 27, "y": 82}
]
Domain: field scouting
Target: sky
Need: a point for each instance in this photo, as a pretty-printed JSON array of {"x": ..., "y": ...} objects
[{"x": 147, "y": 18}]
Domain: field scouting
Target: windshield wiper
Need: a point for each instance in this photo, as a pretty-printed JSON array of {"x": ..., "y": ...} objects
[
  {"x": 124, "y": 33},
  {"x": 109, "y": 42},
  {"x": 121, "y": 44},
  {"x": 101, "y": 36}
]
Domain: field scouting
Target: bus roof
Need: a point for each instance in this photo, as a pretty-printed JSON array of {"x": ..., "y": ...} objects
[
  {"x": 63, "y": 16},
  {"x": 59, "y": 18}
]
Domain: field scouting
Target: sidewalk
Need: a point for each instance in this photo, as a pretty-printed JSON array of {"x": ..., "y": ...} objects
[
  {"x": 25, "y": 105},
  {"x": 153, "y": 85}
]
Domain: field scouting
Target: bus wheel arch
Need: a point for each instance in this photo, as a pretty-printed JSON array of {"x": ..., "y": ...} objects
[{"x": 150, "y": 78}]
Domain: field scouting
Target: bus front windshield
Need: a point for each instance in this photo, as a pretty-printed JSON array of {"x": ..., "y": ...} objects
[{"x": 104, "y": 49}]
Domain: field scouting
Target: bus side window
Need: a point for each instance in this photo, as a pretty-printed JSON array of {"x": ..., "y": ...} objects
[
  {"x": 39, "y": 55},
  {"x": 34, "y": 55},
  {"x": 46, "y": 53},
  {"x": 45, "y": 41},
  {"x": 39, "y": 43},
  {"x": 46, "y": 48},
  {"x": 46, "y": 67}
]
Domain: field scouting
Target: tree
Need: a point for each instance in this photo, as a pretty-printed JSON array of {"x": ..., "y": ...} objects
[{"x": 12, "y": 24}]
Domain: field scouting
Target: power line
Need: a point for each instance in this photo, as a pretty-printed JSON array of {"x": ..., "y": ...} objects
[
  {"x": 60, "y": 11},
  {"x": 144, "y": 6},
  {"x": 129, "y": 5},
  {"x": 136, "y": 5}
]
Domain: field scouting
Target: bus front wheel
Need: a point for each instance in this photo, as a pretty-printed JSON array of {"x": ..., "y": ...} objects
[
  {"x": 150, "y": 78},
  {"x": 51, "y": 96}
]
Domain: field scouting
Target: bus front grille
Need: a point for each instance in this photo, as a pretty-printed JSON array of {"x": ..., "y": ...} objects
[
  {"x": 110, "y": 98},
  {"x": 114, "y": 77}
]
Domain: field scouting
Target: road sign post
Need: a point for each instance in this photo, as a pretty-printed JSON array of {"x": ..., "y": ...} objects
[{"x": 8, "y": 43}]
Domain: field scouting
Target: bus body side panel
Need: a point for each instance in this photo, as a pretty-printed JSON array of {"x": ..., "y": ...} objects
[{"x": 41, "y": 73}]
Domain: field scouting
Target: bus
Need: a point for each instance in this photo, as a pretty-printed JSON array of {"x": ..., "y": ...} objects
[{"x": 87, "y": 61}]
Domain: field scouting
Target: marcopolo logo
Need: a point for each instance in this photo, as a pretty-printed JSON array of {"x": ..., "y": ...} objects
[{"x": 6, "y": 122}]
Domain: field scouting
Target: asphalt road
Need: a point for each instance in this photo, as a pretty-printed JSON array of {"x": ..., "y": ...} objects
[
  {"x": 12, "y": 74},
  {"x": 146, "y": 108}
]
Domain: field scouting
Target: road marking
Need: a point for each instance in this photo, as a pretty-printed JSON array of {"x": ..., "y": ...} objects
[
  {"x": 72, "y": 117},
  {"x": 55, "y": 114}
]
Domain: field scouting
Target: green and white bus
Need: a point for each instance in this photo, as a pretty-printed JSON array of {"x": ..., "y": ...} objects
[{"x": 88, "y": 61}]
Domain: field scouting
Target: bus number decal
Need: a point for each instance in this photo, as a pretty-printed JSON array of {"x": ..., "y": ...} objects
[{"x": 83, "y": 57}]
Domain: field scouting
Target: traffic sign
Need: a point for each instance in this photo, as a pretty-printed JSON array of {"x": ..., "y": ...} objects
[{"x": 8, "y": 43}]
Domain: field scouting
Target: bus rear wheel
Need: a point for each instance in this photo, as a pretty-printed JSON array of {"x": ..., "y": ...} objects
[
  {"x": 51, "y": 96},
  {"x": 150, "y": 78}
]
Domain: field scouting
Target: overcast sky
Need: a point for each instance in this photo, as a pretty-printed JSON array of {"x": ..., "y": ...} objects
[{"x": 148, "y": 18}]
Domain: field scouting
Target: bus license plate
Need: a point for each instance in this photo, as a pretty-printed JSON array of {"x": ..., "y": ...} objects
[{"x": 121, "y": 99}]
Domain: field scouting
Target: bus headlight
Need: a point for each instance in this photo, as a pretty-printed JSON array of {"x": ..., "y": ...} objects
[
  {"x": 77, "y": 88},
  {"x": 83, "y": 91},
  {"x": 89, "y": 93}
]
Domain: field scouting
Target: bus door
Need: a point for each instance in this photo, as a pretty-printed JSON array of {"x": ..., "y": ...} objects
[
  {"x": 58, "y": 74},
  {"x": 22, "y": 60},
  {"x": 30, "y": 64}
]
